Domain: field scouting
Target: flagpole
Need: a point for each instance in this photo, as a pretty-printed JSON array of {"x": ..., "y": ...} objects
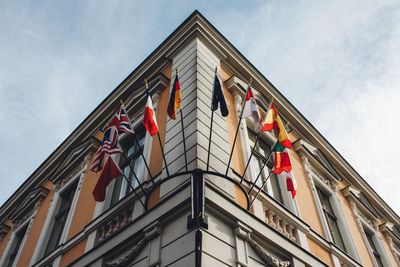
[
  {"x": 265, "y": 163},
  {"x": 252, "y": 151},
  {"x": 255, "y": 144},
  {"x": 183, "y": 132},
  {"x": 134, "y": 174},
  {"x": 237, "y": 129},
  {"x": 162, "y": 152},
  {"x": 137, "y": 141},
  {"x": 212, "y": 120},
  {"x": 259, "y": 190},
  {"x": 133, "y": 189}
]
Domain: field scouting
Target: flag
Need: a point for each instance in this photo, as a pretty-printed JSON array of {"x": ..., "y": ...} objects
[
  {"x": 281, "y": 159},
  {"x": 251, "y": 109},
  {"x": 120, "y": 123},
  {"x": 124, "y": 121},
  {"x": 291, "y": 184},
  {"x": 218, "y": 97},
  {"x": 149, "y": 120},
  {"x": 109, "y": 145},
  {"x": 273, "y": 122},
  {"x": 175, "y": 99},
  {"x": 111, "y": 171}
]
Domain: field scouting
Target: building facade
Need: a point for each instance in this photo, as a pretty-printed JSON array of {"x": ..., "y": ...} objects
[{"x": 188, "y": 212}]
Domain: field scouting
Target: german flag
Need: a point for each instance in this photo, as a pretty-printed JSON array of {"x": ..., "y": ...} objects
[{"x": 175, "y": 99}]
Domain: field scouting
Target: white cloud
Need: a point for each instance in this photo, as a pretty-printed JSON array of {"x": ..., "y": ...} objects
[{"x": 336, "y": 61}]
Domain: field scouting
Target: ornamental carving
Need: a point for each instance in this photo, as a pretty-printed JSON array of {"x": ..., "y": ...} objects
[
  {"x": 4, "y": 228},
  {"x": 76, "y": 171},
  {"x": 261, "y": 251},
  {"x": 133, "y": 252}
]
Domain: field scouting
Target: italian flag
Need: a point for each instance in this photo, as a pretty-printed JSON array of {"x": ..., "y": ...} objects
[
  {"x": 281, "y": 159},
  {"x": 273, "y": 122}
]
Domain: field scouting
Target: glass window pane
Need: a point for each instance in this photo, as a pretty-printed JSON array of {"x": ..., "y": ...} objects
[
  {"x": 19, "y": 236},
  {"x": 129, "y": 163},
  {"x": 61, "y": 217}
]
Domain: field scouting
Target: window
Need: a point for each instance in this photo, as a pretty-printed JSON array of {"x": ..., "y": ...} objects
[
  {"x": 15, "y": 246},
  {"x": 60, "y": 218},
  {"x": 261, "y": 152},
  {"x": 130, "y": 163},
  {"x": 374, "y": 251},
  {"x": 330, "y": 218}
]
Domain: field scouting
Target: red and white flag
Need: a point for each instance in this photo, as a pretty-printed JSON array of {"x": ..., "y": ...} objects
[
  {"x": 111, "y": 171},
  {"x": 149, "y": 120},
  {"x": 291, "y": 184},
  {"x": 109, "y": 145},
  {"x": 251, "y": 109}
]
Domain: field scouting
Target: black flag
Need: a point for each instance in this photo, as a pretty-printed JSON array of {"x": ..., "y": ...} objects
[{"x": 218, "y": 97}]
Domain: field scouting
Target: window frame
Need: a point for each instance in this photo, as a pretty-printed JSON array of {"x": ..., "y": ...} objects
[
  {"x": 63, "y": 209},
  {"x": 371, "y": 229},
  {"x": 13, "y": 243},
  {"x": 258, "y": 158},
  {"x": 327, "y": 214},
  {"x": 120, "y": 183},
  {"x": 41, "y": 246}
]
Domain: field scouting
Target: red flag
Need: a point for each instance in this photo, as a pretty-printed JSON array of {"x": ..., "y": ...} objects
[
  {"x": 111, "y": 171},
  {"x": 149, "y": 120},
  {"x": 291, "y": 184}
]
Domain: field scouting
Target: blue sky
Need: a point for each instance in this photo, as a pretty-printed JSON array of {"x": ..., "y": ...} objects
[{"x": 338, "y": 62}]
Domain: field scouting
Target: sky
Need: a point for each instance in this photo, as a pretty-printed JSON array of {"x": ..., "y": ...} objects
[{"x": 337, "y": 62}]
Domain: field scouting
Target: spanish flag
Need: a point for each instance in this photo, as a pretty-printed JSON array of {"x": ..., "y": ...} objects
[
  {"x": 175, "y": 99},
  {"x": 273, "y": 122}
]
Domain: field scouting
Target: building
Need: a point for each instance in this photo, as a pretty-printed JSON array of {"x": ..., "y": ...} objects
[{"x": 188, "y": 215}]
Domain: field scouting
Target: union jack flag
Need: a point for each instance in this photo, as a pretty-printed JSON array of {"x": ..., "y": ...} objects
[{"x": 119, "y": 124}]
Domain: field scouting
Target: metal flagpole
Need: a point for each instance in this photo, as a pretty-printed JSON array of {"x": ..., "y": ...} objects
[
  {"x": 134, "y": 174},
  {"x": 162, "y": 152},
  {"x": 212, "y": 120},
  {"x": 183, "y": 130},
  {"x": 133, "y": 190},
  {"x": 265, "y": 163},
  {"x": 259, "y": 190},
  {"x": 137, "y": 141},
  {"x": 252, "y": 151},
  {"x": 237, "y": 129}
]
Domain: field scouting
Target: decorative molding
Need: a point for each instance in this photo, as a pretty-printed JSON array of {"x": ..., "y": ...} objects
[
  {"x": 359, "y": 210},
  {"x": 261, "y": 251},
  {"x": 130, "y": 254},
  {"x": 79, "y": 169},
  {"x": 392, "y": 239},
  {"x": 315, "y": 165},
  {"x": 4, "y": 228},
  {"x": 29, "y": 207}
]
